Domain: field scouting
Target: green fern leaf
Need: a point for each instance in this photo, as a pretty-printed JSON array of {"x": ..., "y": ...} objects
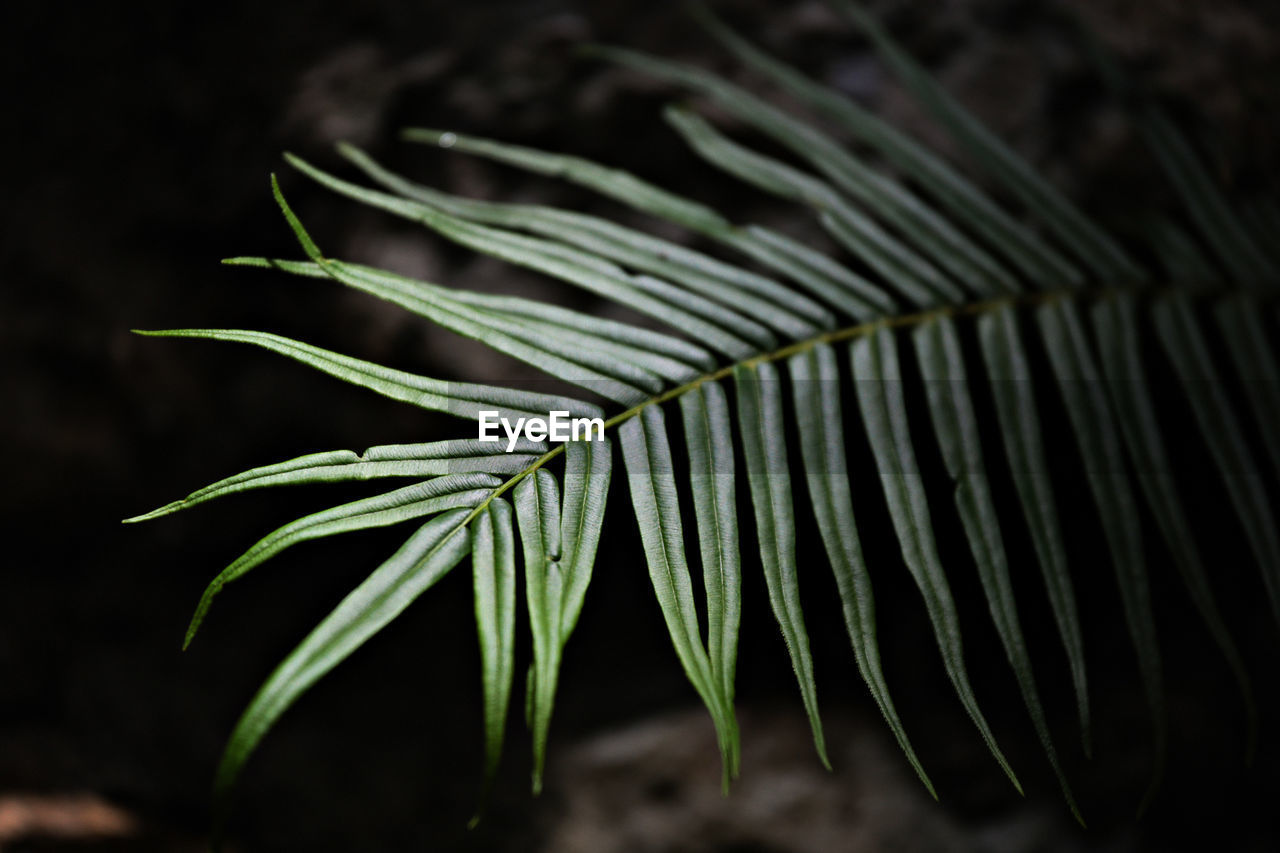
[{"x": 928, "y": 253}]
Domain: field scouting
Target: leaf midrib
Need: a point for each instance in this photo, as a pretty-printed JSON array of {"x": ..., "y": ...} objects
[{"x": 845, "y": 333}]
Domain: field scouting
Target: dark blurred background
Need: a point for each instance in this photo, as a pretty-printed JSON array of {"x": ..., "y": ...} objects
[{"x": 139, "y": 142}]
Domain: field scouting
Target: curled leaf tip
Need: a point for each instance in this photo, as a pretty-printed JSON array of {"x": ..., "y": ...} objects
[{"x": 304, "y": 239}]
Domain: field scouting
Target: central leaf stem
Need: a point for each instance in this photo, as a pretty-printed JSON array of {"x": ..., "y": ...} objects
[{"x": 833, "y": 336}]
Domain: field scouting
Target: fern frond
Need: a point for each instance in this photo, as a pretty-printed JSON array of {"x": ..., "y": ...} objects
[{"x": 922, "y": 262}]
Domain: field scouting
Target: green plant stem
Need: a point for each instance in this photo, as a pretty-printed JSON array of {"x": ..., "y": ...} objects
[{"x": 846, "y": 333}]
